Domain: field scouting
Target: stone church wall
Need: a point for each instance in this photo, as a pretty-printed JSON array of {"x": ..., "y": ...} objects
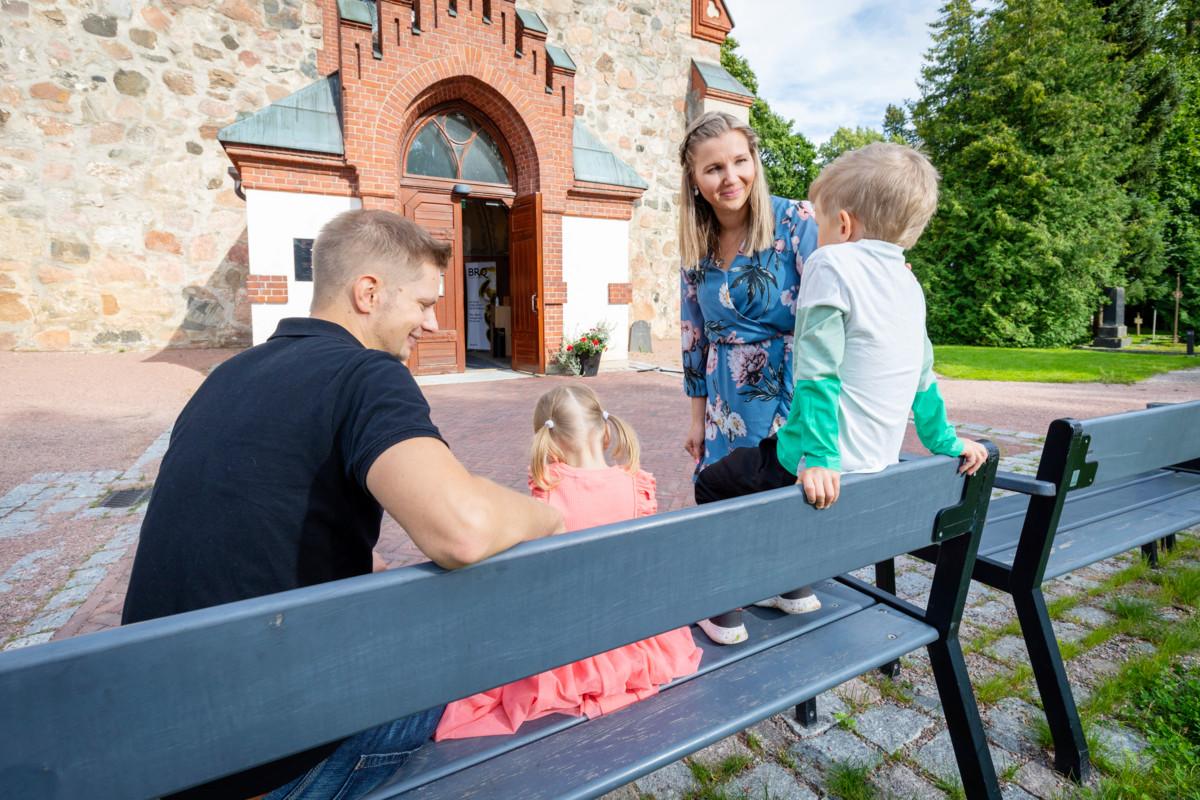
[
  {"x": 634, "y": 62},
  {"x": 119, "y": 223}
]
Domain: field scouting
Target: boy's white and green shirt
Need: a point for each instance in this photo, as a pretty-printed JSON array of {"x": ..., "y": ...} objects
[{"x": 862, "y": 360}]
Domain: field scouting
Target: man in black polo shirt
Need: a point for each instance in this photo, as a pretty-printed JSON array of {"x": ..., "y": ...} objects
[{"x": 280, "y": 465}]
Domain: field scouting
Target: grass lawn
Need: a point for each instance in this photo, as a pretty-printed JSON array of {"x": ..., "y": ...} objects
[
  {"x": 1159, "y": 344},
  {"x": 1061, "y": 365}
]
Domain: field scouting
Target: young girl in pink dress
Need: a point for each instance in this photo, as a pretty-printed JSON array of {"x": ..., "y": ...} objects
[{"x": 568, "y": 469}]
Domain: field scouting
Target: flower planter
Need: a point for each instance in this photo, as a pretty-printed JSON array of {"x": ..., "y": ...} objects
[{"x": 589, "y": 365}]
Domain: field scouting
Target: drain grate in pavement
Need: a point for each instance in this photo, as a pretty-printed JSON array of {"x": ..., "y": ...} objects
[{"x": 125, "y": 498}]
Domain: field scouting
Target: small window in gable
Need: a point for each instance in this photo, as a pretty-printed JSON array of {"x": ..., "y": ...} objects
[{"x": 454, "y": 146}]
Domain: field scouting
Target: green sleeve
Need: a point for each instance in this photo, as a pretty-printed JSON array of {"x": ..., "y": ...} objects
[
  {"x": 811, "y": 430},
  {"x": 929, "y": 412}
]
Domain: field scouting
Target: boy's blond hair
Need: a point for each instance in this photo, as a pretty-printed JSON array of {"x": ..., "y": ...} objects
[{"x": 891, "y": 189}]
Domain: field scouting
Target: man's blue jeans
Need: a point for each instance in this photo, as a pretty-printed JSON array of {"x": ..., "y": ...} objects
[{"x": 363, "y": 761}]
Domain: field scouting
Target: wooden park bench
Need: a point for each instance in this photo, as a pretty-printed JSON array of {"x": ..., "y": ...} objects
[
  {"x": 159, "y": 706},
  {"x": 1104, "y": 486}
]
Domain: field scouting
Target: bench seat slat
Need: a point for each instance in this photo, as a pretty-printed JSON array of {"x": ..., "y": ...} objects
[
  {"x": 1005, "y": 517},
  {"x": 1091, "y": 509},
  {"x": 767, "y": 628},
  {"x": 608, "y": 752},
  {"x": 1112, "y": 534},
  {"x": 1102, "y": 521}
]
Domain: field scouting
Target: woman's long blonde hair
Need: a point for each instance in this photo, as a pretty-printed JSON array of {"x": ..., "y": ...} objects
[
  {"x": 698, "y": 226},
  {"x": 574, "y": 412}
]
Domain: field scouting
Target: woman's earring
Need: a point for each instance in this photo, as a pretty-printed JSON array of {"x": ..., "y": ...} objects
[{"x": 696, "y": 191}]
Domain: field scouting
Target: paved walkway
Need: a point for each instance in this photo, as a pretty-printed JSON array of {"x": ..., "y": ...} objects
[{"x": 78, "y": 427}]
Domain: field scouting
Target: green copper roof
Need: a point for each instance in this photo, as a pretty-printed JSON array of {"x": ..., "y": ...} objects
[
  {"x": 355, "y": 11},
  {"x": 308, "y": 120},
  {"x": 560, "y": 58},
  {"x": 596, "y": 163},
  {"x": 715, "y": 77},
  {"x": 532, "y": 21}
]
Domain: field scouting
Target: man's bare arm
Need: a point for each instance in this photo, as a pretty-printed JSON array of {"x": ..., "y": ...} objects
[{"x": 453, "y": 517}]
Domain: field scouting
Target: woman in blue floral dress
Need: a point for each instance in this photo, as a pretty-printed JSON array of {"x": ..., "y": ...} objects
[{"x": 743, "y": 254}]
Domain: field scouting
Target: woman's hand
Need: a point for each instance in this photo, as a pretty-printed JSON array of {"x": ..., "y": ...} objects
[{"x": 694, "y": 443}]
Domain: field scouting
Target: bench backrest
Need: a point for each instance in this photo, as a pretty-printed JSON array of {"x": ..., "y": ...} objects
[
  {"x": 166, "y": 704},
  {"x": 1095, "y": 452},
  {"x": 1128, "y": 444}
]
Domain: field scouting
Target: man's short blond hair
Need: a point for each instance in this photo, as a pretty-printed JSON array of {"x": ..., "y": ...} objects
[
  {"x": 360, "y": 241},
  {"x": 891, "y": 189}
]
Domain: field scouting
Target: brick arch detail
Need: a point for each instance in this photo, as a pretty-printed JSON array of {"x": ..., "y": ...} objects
[
  {"x": 464, "y": 77},
  {"x": 496, "y": 110}
]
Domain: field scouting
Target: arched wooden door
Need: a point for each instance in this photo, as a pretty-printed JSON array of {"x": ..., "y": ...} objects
[
  {"x": 525, "y": 258},
  {"x": 441, "y": 215},
  {"x": 455, "y": 148}
]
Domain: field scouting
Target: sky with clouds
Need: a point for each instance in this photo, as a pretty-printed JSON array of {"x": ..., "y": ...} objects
[{"x": 830, "y": 63}]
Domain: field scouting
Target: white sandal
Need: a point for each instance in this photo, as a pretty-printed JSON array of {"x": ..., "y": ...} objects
[
  {"x": 805, "y": 604},
  {"x": 723, "y": 635}
]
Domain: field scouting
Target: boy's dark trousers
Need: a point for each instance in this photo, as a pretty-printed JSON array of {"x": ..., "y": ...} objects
[{"x": 745, "y": 470}]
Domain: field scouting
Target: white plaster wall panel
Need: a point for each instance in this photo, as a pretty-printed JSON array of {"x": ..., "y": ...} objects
[
  {"x": 264, "y": 318},
  {"x": 595, "y": 254},
  {"x": 273, "y": 220}
]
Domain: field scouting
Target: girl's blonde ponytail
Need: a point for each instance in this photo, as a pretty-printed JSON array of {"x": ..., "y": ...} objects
[
  {"x": 542, "y": 453},
  {"x": 570, "y": 413},
  {"x": 627, "y": 452}
]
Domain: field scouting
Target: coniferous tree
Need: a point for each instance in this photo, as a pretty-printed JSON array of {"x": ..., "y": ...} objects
[
  {"x": 896, "y": 127},
  {"x": 1178, "y": 172},
  {"x": 1023, "y": 113},
  {"x": 1137, "y": 29},
  {"x": 788, "y": 156}
]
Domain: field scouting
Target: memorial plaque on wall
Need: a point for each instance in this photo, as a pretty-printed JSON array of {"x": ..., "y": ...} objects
[{"x": 302, "y": 257}]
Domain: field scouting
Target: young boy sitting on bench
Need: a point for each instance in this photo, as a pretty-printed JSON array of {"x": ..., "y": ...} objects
[{"x": 862, "y": 358}]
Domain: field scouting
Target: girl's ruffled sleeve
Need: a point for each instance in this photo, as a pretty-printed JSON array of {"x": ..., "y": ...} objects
[{"x": 645, "y": 493}]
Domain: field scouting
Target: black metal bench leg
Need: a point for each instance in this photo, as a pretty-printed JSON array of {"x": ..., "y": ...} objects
[
  {"x": 885, "y": 578},
  {"x": 806, "y": 712},
  {"x": 1070, "y": 747},
  {"x": 962, "y": 718},
  {"x": 1168, "y": 543},
  {"x": 1150, "y": 551}
]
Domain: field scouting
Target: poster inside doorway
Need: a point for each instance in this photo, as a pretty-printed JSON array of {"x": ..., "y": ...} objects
[{"x": 481, "y": 292}]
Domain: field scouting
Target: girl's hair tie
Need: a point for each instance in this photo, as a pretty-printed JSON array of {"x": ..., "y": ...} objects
[
  {"x": 549, "y": 423},
  {"x": 605, "y": 415}
]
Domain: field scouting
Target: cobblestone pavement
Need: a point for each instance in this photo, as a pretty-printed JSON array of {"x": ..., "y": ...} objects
[{"x": 64, "y": 563}]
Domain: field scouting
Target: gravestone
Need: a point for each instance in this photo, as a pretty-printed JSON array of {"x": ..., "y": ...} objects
[
  {"x": 639, "y": 337},
  {"x": 1112, "y": 332}
]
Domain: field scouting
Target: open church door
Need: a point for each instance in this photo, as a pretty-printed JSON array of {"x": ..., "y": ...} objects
[
  {"x": 525, "y": 276},
  {"x": 444, "y": 351}
]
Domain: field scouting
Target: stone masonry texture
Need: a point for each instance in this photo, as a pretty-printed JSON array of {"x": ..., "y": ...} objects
[
  {"x": 634, "y": 63},
  {"x": 120, "y": 221},
  {"x": 122, "y": 226}
]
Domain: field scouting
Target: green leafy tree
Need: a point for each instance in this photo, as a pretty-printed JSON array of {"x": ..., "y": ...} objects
[
  {"x": 788, "y": 157},
  {"x": 844, "y": 139},
  {"x": 895, "y": 129},
  {"x": 1023, "y": 113}
]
